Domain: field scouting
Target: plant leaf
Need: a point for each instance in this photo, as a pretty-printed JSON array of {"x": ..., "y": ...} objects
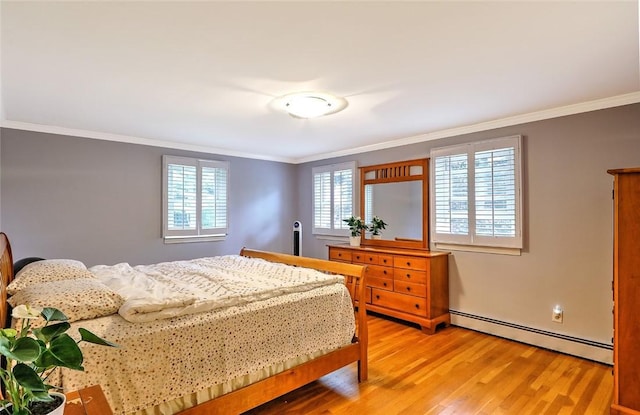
[
  {"x": 28, "y": 378},
  {"x": 53, "y": 314},
  {"x": 46, "y": 334},
  {"x": 5, "y": 346},
  {"x": 92, "y": 338},
  {"x": 63, "y": 351},
  {"x": 24, "y": 349},
  {"x": 8, "y": 332}
]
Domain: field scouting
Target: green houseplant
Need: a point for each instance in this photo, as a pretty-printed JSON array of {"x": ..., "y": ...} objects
[
  {"x": 377, "y": 225},
  {"x": 33, "y": 353},
  {"x": 356, "y": 227}
]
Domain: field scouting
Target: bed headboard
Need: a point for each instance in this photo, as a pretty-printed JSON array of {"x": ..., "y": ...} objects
[{"x": 6, "y": 271}]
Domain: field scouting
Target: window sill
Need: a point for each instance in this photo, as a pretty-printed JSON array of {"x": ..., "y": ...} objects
[
  {"x": 331, "y": 238},
  {"x": 475, "y": 248},
  {"x": 190, "y": 239}
]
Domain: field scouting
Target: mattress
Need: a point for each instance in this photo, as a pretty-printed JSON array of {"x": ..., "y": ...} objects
[{"x": 167, "y": 365}]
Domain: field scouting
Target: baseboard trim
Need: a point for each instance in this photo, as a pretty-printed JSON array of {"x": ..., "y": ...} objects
[{"x": 585, "y": 348}]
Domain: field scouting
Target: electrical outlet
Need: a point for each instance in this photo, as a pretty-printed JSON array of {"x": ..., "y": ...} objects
[{"x": 557, "y": 314}]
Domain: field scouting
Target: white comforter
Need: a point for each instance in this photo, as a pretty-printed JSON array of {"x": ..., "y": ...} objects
[{"x": 171, "y": 289}]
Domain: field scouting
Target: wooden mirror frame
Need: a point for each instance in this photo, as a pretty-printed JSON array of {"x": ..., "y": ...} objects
[{"x": 392, "y": 173}]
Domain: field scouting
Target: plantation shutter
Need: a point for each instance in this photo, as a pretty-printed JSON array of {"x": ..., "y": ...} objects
[
  {"x": 451, "y": 178},
  {"x": 322, "y": 200},
  {"x": 333, "y": 198},
  {"x": 476, "y": 196},
  {"x": 495, "y": 192},
  {"x": 182, "y": 197},
  {"x": 368, "y": 206},
  {"x": 195, "y": 195},
  {"x": 214, "y": 197},
  {"x": 343, "y": 197}
]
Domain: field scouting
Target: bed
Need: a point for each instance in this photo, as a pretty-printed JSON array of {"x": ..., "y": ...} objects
[{"x": 214, "y": 361}]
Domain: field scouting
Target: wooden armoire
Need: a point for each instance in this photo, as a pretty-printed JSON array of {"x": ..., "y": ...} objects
[{"x": 626, "y": 292}]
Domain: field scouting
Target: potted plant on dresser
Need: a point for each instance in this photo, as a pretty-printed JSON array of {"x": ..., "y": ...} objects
[
  {"x": 356, "y": 227},
  {"x": 32, "y": 354},
  {"x": 376, "y": 227}
]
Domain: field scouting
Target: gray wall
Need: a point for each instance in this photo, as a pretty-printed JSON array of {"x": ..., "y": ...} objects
[
  {"x": 100, "y": 201},
  {"x": 568, "y": 224}
]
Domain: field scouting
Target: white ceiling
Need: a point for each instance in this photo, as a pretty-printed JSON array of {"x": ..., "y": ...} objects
[{"x": 202, "y": 75}]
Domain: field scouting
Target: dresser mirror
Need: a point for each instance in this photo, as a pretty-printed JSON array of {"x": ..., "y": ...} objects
[{"x": 397, "y": 193}]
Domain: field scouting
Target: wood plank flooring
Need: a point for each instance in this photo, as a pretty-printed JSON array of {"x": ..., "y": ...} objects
[{"x": 456, "y": 371}]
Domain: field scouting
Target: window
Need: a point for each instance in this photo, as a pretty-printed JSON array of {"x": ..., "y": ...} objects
[
  {"x": 368, "y": 203},
  {"x": 476, "y": 197},
  {"x": 333, "y": 198},
  {"x": 195, "y": 194}
]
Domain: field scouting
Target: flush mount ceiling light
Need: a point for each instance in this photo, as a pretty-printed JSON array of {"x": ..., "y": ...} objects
[{"x": 310, "y": 104}]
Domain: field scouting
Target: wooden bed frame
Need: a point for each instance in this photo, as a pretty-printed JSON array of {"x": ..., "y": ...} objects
[{"x": 253, "y": 395}]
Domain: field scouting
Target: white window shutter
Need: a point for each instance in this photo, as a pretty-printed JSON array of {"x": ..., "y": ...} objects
[
  {"x": 322, "y": 200},
  {"x": 195, "y": 198},
  {"x": 343, "y": 197},
  {"x": 214, "y": 198},
  {"x": 333, "y": 198},
  {"x": 476, "y": 197},
  {"x": 182, "y": 197}
]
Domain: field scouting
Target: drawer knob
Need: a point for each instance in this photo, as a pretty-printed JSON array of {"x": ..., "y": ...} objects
[
  {"x": 408, "y": 263},
  {"x": 377, "y": 297},
  {"x": 384, "y": 260},
  {"x": 384, "y": 272},
  {"x": 408, "y": 288},
  {"x": 384, "y": 283},
  {"x": 418, "y": 306},
  {"x": 408, "y": 275}
]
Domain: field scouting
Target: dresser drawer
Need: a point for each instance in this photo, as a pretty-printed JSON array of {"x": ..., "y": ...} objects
[
  {"x": 409, "y": 275},
  {"x": 385, "y": 260},
  {"x": 361, "y": 257},
  {"x": 342, "y": 255},
  {"x": 384, "y": 283},
  {"x": 419, "y": 290},
  {"x": 379, "y": 271},
  {"x": 410, "y": 262},
  {"x": 401, "y": 302}
]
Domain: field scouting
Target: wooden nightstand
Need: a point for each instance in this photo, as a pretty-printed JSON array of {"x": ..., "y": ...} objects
[{"x": 88, "y": 401}]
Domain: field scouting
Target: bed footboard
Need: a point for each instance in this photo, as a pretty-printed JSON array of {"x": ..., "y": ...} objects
[
  {"x": 270, "y": 388},
  {"x": 354, "y": 280}
]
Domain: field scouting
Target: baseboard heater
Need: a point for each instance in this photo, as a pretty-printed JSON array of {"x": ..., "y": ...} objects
[{"x": 590, "y": 349}]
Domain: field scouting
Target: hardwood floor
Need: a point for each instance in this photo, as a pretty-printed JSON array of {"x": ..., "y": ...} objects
[{"x": 456, "y": 371}]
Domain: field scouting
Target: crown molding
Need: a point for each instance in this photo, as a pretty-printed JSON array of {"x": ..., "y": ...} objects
[
  {"x": 611, "y": 102},
  {"x": 51, "y": 129}
]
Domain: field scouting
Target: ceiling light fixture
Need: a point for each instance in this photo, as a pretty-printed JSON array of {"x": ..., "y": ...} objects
[{"x": 310, "y": 104}]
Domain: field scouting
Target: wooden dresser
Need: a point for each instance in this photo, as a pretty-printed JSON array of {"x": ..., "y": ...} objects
[
  {"x": 409, "y": 284},
  {"x": 626, "y": 292},
  {"x": 88, "y": 401}
]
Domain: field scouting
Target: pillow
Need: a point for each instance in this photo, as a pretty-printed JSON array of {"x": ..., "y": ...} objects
[
  {"x": 48, "y": 270},
  {"x": 18, "y": 265},
  {"x": 79, "y": 299}
]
